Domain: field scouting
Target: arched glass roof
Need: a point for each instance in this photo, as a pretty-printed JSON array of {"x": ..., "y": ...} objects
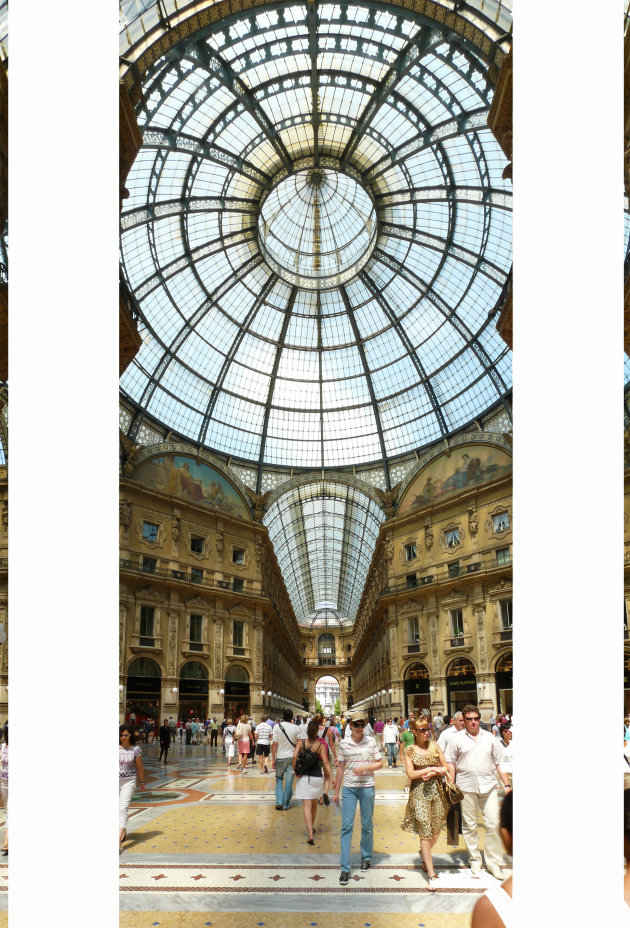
[
  {"x": 323, "y": 534},
  {"x": 318, "y": 233}
]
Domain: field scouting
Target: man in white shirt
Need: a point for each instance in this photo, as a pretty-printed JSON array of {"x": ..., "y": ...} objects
[
  {"x": 473, "y": 755},
  {"x": 505, "y": 740},
  {"x": 447, "y": 733},
  {"x": 390, "y": 740},
  {"x": 285, "y": 736},
  {"x": 263, "y": 737},
  {"x": 357, "y": 758}
]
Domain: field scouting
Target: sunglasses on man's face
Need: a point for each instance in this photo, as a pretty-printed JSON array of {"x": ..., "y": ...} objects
[{"x": 359, "y": 724}]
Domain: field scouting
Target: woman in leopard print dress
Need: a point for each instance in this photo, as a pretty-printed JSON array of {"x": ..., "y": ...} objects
[{"x": 427, "y": 805}]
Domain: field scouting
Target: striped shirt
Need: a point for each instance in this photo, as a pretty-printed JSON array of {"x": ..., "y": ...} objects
[
  {"x": 353, "y": 755},
  {"x": 263, "y": 733}
]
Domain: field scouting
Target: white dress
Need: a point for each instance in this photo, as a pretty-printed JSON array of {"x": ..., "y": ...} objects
[{"x": 308, "y": 787}]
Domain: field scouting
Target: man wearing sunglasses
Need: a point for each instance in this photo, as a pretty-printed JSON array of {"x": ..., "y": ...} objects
[
  {"x": 474, "y": 756},
  {"x": 357, "y": 757}
]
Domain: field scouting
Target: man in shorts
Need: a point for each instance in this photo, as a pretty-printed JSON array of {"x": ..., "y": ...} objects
[{"x": 263, "y": 739}]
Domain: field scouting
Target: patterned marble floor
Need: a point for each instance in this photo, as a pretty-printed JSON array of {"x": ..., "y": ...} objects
[{"x": 206, "y": 848}]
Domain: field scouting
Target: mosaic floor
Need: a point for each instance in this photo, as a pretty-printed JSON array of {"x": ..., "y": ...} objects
[{"x": 206, "y": 848}]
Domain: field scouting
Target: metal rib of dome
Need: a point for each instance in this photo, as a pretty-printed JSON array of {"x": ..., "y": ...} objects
[{"x": 370, "y": 335}]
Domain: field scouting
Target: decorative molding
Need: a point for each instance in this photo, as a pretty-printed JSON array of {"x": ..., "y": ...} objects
[
  {"x": 480, "y": 616},
  {"x": 173, "y": 621},
  {"x": 124, "y": 513},
  {"x": 318, "y": 477},
  {"x": 207, "y": 547},
  {"x": 500, "y": 590},
  {"x": 149, "y": 594},
  {"x": 454, "y": 600},
  {"x": 246, "y": 557},
  {"x": 402, "y": 557},
  {"x": 161, "y": 534}
]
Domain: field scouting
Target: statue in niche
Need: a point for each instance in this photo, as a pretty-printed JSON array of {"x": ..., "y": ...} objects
[
  {"x": 219, "y": 542},
  {"x": 388, "y": 550},
  {"x": 175, "y": 529},
  {"x": 259, "y": 552},
  {"x": 428, "y": 535},
  {"x": 124, "y": 513},
  {"x": 131, "y": 455},
  {"x": 473, "y": 524}
]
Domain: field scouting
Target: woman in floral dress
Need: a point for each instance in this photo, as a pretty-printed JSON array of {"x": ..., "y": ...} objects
[{"x": 427, "y": 805}]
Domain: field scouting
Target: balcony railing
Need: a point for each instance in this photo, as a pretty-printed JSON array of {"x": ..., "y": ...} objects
[
  {"x": 326, "y": 661},
  {"x": 146, "y": 643},
  {"x": 457, "y": 643},
  {"x": 437, "y": 576},
  {"x": 502, "y": 634},
  {"x": 184, "y": 574},
  {"x": 416, "y": 647}
]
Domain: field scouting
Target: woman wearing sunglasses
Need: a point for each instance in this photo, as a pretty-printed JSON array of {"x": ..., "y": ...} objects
[{"x": 427, "y": 805}]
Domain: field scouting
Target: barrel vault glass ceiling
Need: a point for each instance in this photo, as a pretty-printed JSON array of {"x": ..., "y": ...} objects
[{"x": 317, "y": 241}]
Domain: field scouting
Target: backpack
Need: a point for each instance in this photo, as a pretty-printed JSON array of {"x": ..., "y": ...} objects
[{"x": 307, "y": 761}]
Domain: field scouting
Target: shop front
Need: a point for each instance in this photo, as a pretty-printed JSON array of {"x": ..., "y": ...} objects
[
  {"x": 417, "y": 689},
  {"x": 504, "y": 683},
  {"x": 461, "y": 684},
  {"x": 626, "y": 684},
  {"x": 237, "y": 694},
  {"x": 193, "y": 692},
  {"x": 143, "y": 691}
]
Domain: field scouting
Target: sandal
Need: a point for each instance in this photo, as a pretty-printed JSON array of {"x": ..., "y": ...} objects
[
  {"x": 432, "y": 884},
  {"x": 310, "y": 841}
]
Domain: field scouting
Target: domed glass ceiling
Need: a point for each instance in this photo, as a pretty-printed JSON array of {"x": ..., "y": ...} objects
[{"x": 318, "y": 236}]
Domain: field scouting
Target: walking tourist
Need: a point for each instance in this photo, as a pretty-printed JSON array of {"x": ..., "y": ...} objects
[
  {"x": 214, "y": 732},
  {"x": 310, "y": 782},
  {"x": 228, "y": 740},
  {"x": 285, "y": 735},
  {"x": 243, "y": 730},
  {"x": 390, "y": 742},
  {"x": 129, "y": 769},
  {"x": 165, "y": 740},
  {"x": 427, "y": 806},
  {"x": 474, "y": 757},
  {"x": 446, "y": 734},
  {"x": 263, "y": 738},
  {"x": 358, "y": 758}
]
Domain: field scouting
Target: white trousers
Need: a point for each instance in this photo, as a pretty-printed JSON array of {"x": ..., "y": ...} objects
[
  {"x": 126, "y": 789},
  {"x": 488, "y": 804}
]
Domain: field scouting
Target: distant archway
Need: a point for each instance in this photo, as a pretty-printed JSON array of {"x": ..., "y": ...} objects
[
  {"x": 144, "y": 683},
  {"x": 237, "y": 691},
  {"x": 461, "y": 684},
  {"x": 417, "y": 688},
  {"x": 327, "y": 691}
]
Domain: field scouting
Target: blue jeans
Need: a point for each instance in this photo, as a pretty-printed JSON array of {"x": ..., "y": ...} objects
[
  {"x": 364, "y": 795},
  {"x": 391, "y": 753},
  {"x": 284, "y": 768}
]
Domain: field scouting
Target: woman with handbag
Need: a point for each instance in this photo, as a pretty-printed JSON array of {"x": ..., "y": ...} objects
[
  {"x": 428, "y": 804},
  {"x": 308, "y": 757}
]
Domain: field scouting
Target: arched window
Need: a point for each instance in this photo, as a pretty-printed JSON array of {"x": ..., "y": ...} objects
[
  {"x": 193, "y": 670},
  {"x": 236, "y": 674},
  {"x": 417, "y": 671},
  {"x": 143, "y": 667},
  {"x": 461, "y": 667},
  {"x": 504, "y": 663}
]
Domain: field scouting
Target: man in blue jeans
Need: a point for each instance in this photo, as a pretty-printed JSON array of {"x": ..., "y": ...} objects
[
  {"x": 283, "y": 743},
  {"x": 357, "y": 758}
]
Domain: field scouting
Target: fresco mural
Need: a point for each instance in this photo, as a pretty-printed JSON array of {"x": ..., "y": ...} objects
[
  {"x": 191, "y": 480},
  {"x": 467, "y": 467}
]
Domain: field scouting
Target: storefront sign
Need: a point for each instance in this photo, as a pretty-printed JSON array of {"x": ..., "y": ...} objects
[
  {"x": 237, "y": 689},
  {"x": 188, "y": 687},
  {"x": 461, "y": 683},
  {"x": 143, "y": 685}
]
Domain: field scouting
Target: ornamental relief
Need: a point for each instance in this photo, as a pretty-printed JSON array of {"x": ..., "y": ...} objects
[
  {"x": 161, "y": 535},
  {"x": 172, "y": 644},
  {"x": 500, "y": 590}
]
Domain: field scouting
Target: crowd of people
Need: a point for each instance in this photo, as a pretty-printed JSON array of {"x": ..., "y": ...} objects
[{"x": 456, "y": 762}]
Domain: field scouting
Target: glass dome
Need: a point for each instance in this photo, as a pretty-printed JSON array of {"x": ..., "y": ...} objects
[{"x": 318, "y": 232}]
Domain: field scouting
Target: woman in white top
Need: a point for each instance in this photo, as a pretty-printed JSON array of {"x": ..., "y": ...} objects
[
  {"x": 494, "y": 909},
  {"x": 228, "y": 740}
]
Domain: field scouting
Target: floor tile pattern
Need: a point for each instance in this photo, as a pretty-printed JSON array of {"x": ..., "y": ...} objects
[{"x": 216, "y": 852}]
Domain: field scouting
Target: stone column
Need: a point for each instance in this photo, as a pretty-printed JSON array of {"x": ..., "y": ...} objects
[
  {"x": 257, "y": 665},
  {"x": 437, "y": 681},
  {"x": 122, "y": 627},
  {"x": 486, "y": 693}
]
